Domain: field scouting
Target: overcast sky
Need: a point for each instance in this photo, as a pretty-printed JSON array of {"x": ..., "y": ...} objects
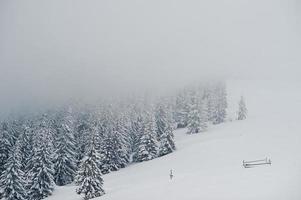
[{"x": 55, "y": 50}]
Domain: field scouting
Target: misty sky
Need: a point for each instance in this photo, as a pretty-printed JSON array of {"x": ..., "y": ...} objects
[{"x": 55, "y": 50}]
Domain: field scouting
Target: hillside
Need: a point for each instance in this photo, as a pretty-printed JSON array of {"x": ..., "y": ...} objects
[{"x": 209, "y": 165}]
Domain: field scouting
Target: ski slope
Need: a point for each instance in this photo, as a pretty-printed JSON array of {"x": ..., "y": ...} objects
[{"x": 208, "y": 165}]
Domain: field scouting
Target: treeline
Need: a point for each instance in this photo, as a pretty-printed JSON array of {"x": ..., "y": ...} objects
[{"x": 76, "y": 144}]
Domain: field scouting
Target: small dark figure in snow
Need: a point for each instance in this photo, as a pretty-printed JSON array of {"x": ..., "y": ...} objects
[{"x": 171, "y": 174}]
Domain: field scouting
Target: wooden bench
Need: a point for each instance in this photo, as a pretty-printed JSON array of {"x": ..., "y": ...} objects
[{"x": 254, "y": 163}]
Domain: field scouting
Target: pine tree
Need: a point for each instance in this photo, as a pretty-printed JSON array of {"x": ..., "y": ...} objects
[
  {"x": 220, "y": 104},
  {"x": 89, "y": 175},
  {"x": 182, "y": 109},
  {"x": 26, "y": 147},
  {"x": 7, "y": 142},
  {"x": 194, "y": 118},
  {"x": 110, "y": 144},
  {"x": 83, "y": 135},
  {"x": 113, "y": 155},
  {"x": 108, "y": 154},
  {"x": 15, "y": 128},
  {"x": 242, "y": 109},
  {"x": 65, "y": 162},
  {"x": 205, "y": 110},
  {"x": 210, "y": 101},
  {"x": 121, "y": 132},
  {"x": 41, "y": 181},
  {"x": 135, "y": 133},
  {"x": 164, "y": 131},
  {"x": 148, "y": 147},
  {"x": 204, "y": 116},
  {"x": 12, "y": 178}
]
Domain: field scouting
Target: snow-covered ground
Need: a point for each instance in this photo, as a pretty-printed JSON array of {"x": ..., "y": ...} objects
[{"x": 208, "y": 166}]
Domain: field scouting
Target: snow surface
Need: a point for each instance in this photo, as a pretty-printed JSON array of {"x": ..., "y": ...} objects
[{"x": 209, "y": 165}]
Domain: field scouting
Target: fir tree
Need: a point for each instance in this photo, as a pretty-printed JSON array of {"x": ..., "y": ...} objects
[
  {"x": 108, "y": 155},
  {"x": 65, "y": 162},
  {"x": 12, "y": 179},
  {"x": 242, "y": 109},
  {"x": 41, "y": 181},
  {"x": 220, "y": 104},
  {"x": 210, "y": 102},
  {"x": 110, "y": 145},
  {"x": 89, "y": 175},
  {"x": 204, "y": 116},
  {"x": 15, "y": 128},
  {"x": 164, "y": 131},
  {"x": 182, "y": 109},
  {"x": 194, "y": 118},
  {"x": 112, "y": 154},
  {"x": 7, "y": 143},
  {"x": 135, "y": 133},
  {"x": 26, "y": 147},
  {"x": 148, "y": 147},
  {"x": 83, "y": 135},
  {"x": 121, "y": 133}
]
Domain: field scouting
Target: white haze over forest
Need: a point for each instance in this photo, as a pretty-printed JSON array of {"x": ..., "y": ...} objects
[
  {"x": 54, "y": 51},
  {"x": 157, "y": 99}
]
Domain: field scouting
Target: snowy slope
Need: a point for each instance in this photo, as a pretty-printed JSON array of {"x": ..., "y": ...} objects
[{"x": 209, "y": 165}]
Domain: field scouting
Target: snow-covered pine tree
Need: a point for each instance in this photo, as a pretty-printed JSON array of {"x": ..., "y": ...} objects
[
  {"x": 112, "y": 153},
  {"x": 108, "y": 155},
  {"x": 7, "y": 142},
  {"x": 242, "y": 109},
  {"x": 41, "y": 181},
  {"x": 121, "y": 132},
  {"x": 65, "y": 161},
  {"x": 220, "y": 104},
  {"x": 110, "y": 144},
  {"x": 82, "y": 134},
  {"x": 164, "y": 131},
  {"x": 148, "y": 144},
  {"x": 26, "y": 146},
  {"x": 136, "y": 131},
  {"x": 171, "y": 113},
  {"x": 89, "y": 177},
  {"x": 204, "y": 115},
  {"x": 194, "y": 117},
  {"x": 210, "y": 101},
  {"x": 12, "y": 178},
  {"x": 182, "y": 109},
  {"x": 135, "y": 128},
  {"x": 15, "y": 128}
]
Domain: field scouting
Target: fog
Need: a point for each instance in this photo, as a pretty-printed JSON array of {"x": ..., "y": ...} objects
[{"x": 56, "y": 50}]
